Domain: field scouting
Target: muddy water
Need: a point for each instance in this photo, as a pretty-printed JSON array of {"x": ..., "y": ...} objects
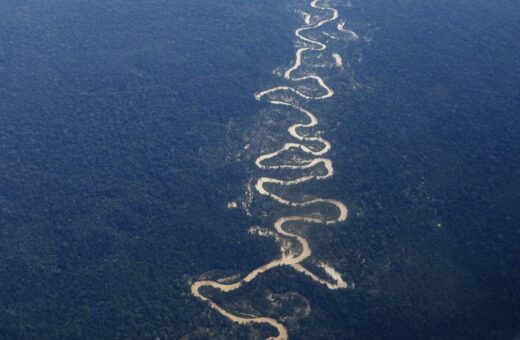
[{"x": 264, "y": 185}]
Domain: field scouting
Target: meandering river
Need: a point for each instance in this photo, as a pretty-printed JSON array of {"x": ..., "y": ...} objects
[{"x": 314, "y": 146}]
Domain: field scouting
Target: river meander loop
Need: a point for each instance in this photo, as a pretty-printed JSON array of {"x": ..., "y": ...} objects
[{"x": 320, "y": 147}]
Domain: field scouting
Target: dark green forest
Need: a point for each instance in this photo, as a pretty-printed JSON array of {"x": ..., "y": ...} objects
[{"x": 120, "y": 125}]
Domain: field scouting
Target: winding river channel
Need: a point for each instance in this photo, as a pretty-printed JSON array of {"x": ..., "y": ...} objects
[{"x": 315, "y": 147}]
